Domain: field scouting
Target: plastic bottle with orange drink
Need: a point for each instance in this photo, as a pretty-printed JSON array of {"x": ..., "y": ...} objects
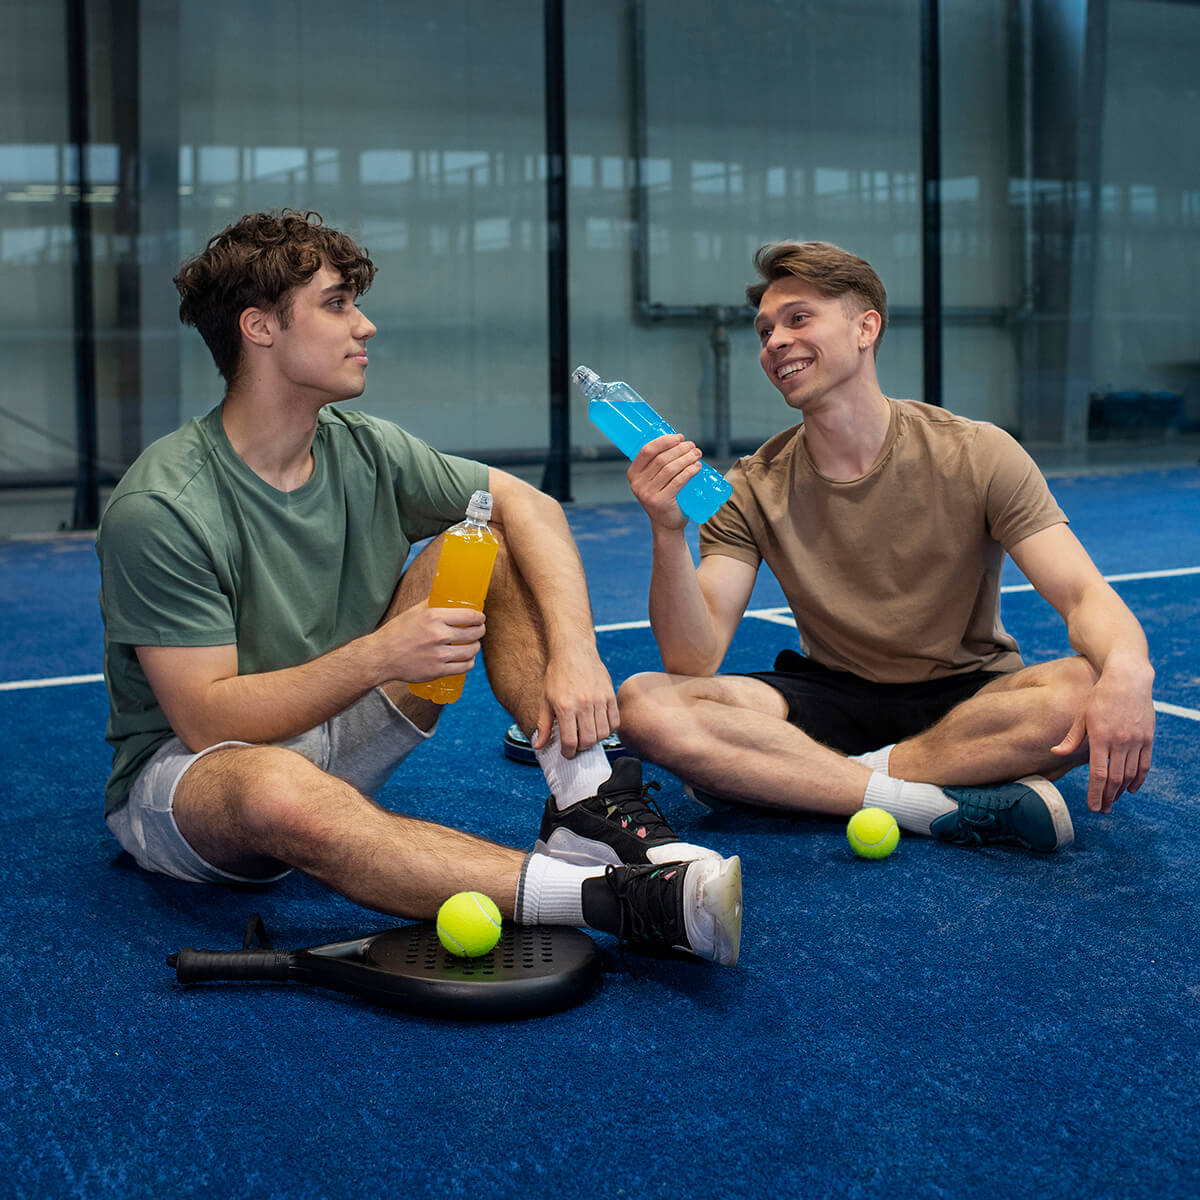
[{"x": 460, "y": 580}]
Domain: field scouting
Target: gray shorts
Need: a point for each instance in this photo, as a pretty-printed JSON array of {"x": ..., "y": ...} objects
[{"x": 362, "y": 745}]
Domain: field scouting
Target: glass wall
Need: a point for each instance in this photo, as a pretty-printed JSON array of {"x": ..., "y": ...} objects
[
  {"x": 1145, "y": 338},
  {"x": 758, "y": 122},
  {"x": 696, "y": 132},
  {"x": 423, "y": 137},
  {"x": 37, "y": 381}
]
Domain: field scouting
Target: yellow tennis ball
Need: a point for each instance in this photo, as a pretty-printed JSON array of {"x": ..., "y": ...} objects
[
  {"x": 468, "y": 924},
  {"x": 872, "y": 833}
]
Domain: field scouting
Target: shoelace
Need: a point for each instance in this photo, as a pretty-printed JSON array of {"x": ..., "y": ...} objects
[
  {"x": 638, "y": 809},
  {"x": 646, "y": 904},
  {"x": 980, "y": 816}
]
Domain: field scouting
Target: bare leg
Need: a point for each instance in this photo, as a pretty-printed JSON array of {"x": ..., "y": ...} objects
[
  {"x": 248, "y": 809},
  {"x": 515, "y": 653},
  {"x": 730, "y": 734},
  {"x": 1003, "y": 732}
]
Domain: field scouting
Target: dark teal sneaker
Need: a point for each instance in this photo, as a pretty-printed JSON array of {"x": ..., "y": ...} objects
[{"x": 1028, "y": 813}]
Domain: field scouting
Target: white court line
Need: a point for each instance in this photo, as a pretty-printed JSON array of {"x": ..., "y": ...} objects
[
  {"x": 59, "y": 681},
  {"x": 1028, "y": 587},
  {"x": 1161, "y": 706},
  {"x": 622, "y": 625},
  {"x": 780, "y": 615}
]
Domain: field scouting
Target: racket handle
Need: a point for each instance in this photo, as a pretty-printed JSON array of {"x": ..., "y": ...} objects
[{"x": 192, "y": 966}]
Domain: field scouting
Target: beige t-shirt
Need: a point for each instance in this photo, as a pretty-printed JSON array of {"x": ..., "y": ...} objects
[{"x": 894, "y": 576}]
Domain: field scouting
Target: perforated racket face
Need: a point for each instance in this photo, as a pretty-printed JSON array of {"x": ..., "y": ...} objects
[
  {"x": 532, "y": 969},
  {"x": 523, "y": 952}
]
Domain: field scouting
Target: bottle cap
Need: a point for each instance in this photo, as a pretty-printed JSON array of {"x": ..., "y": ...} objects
[
  {"x": 480, "y": 507},
  {"x": 584, "y": 378}
]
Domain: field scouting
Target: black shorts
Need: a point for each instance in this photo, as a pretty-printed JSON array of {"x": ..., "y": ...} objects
[{"x": 853, "y": 715}]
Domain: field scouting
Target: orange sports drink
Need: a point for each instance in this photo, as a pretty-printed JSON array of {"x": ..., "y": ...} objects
[{"x": 460, "y": 580}]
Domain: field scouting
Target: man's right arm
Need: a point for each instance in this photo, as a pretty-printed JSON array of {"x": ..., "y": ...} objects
[
  {"x": 207, "y": 701},
  {"x": 694, "y": 612}
]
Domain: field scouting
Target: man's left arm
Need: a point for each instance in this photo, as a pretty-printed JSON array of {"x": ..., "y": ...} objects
[
  {"x": 578, "y": 692},
  {"x": 1117, "y": 717}
]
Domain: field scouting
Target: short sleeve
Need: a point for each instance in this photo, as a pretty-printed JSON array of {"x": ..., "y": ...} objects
[
  {"x": 157, "y": 580},
  {"x": 730, "y": 530},
  {"x": 432, "y": 489},
  {"x": 437, "y": 491},
  {"x": 1017, "y": 498}
]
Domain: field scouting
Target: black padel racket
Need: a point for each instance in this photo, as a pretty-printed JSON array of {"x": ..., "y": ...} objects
[{"x": 532, "y": 970}]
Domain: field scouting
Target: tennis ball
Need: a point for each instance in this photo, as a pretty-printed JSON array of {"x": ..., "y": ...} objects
[
  {"x": 468, "y": 924},
  {"x": 872, "y": 833}
]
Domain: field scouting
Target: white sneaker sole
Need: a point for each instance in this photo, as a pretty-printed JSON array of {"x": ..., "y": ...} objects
[
  {"x": 712, "y": 909},
  {"x": 568, "y": 846}
]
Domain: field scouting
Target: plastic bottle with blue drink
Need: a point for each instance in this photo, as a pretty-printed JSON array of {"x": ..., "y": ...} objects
[{"x": 629, "y": 423}]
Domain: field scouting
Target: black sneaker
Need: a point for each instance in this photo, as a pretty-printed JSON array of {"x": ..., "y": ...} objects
[
  {"x": 620, "y": 824},
  {"x": 692, "y": 906},
  {"x": 520, "y": 749},
  {"x": 1028, "y": 813}
]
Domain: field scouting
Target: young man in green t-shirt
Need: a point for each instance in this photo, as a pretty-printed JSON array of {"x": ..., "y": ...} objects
[{"x": 261, "y": 632}]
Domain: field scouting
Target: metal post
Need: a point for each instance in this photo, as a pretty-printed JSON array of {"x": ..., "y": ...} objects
[
  {"x": 719, "y": 340},
  {"x": 556, "y": 479},
  {"x": 931, "y": 200},
  {"x": 86, "y": 513}
]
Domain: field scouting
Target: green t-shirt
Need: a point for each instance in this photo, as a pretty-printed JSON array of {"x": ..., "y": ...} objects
[{"x": 196, "y": 550}]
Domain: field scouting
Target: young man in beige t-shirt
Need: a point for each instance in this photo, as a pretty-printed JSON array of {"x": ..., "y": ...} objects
[{"x": 886, "y": 523}]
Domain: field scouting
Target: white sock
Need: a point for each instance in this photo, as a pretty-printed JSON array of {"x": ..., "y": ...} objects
[
  {"x": 551, "y": 891},
  {"x": 572, "y": 779},
  {"x": 914, "y": 805},
  {"x": 877, "y": 760}
]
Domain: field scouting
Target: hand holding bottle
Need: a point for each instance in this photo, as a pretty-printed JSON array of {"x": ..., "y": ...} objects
[
  {"x": 630, "y": 423},
  {"x": 424, "y": 644},
  {"x": 660, "y": 470}
]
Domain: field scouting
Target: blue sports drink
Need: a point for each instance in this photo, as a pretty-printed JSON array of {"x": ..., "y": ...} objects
[{"x": 629, "y": 423}]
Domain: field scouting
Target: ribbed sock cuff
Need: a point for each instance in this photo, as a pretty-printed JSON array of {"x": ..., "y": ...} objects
[
  {"x": 572, "y": 779},
  {"x": 877, "y": 760},
  {"x": 551, "y": 892},
  {"x": 914, "y": 805}
]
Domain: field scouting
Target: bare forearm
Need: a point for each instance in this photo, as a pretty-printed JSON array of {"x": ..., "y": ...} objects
[
  {"x": 679, "y": 615},
  {"x": 1103, "y": 630},
  {"x": 277, "y": 705}
]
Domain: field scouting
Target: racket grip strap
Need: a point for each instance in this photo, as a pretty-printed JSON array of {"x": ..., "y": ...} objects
[{"x": 193, "y": 966}]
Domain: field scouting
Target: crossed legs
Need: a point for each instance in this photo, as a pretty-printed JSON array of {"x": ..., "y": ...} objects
[
  {"x": 730, "y": 735},
  {"x": 248, "y": 809}
]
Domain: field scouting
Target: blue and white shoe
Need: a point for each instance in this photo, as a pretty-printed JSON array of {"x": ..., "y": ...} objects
[{"x": 1029, "y": 813}]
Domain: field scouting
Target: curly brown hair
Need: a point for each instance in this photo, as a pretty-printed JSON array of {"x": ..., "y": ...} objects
[
  {"x": 257, "y": 263},
  {"x": 834, "y": 272}
]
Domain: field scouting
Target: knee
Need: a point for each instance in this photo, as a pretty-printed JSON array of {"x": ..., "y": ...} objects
[
  {"x": 276, "y": 799},
  {"x": 638, "y": 693},
  {"x": 1070, "y": 682},
  {"x": 1059, "y": 696},
  {"x": 643, "y": 700}
]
